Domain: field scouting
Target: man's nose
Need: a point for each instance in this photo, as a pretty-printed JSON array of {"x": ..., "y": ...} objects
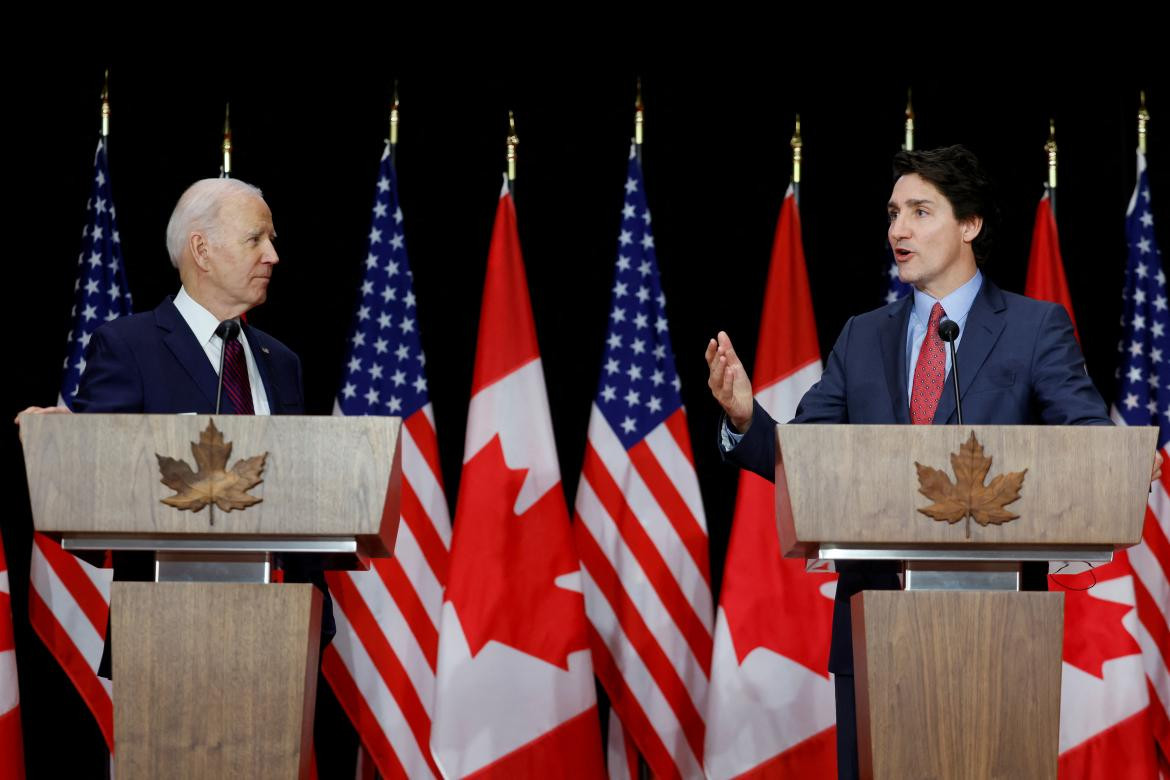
[{"x": 898, "y": 227}]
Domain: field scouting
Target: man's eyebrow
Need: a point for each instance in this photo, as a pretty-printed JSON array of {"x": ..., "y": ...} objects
[{"x": 912, "y": 203}]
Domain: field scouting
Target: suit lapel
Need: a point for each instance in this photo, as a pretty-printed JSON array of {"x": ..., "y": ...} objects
[
  {"x": 261, "y": 357},
  {"x": 985, "y": 323},
  {"x": 186, "y": 348},
  {"x": 893, "y": 342}
]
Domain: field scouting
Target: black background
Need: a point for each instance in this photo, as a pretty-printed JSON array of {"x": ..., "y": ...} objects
[{"x": 309, "y": 132}]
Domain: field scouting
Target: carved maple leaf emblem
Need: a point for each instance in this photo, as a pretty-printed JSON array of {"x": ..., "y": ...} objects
[
  {"x": 967, "y": 496},
  {"x": 213, "y": 483}
]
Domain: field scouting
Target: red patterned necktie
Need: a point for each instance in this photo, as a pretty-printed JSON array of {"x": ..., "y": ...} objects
[
  {"x": 929, "y": 372},
  {"x": 237, "y": 389}
]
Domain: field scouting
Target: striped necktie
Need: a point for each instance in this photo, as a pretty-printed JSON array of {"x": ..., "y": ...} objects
[{"x": 237, "y": 390}]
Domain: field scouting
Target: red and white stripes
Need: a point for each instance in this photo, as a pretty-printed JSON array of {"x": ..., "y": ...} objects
[
  {"x": 381, "y": 664},
  {"x": 1150, "y": 561},
  {"x": 69, "y": 605},
  {"x": 642, "y": 536}
]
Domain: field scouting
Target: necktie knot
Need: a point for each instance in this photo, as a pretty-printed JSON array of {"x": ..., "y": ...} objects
[{"x": 936, "y": 315}]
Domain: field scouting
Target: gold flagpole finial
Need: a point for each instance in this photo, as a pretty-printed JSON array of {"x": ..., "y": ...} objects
[
  {"x": 1143, "y": 120},
  {"x": 797, "y": 145},
  {"x": 908, "y": 143},
  {"x": 639, "y": 115},
  {"x": 106, "y": 105},
  {"x": 394, "y": 117},
  {"x": 226, "y": 171},
  {"x": 513, "y": 142},
  {"x": 1050, "y": 150}
]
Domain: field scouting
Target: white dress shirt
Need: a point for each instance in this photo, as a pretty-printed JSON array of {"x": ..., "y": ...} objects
[{"x": 203, "y": 324}]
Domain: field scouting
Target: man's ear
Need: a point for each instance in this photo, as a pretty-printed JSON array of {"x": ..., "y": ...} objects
[
  {"x": 200, "y": 250},
  {"x": 970, "y": 228}
]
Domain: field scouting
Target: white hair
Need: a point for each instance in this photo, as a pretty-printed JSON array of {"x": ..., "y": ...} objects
[{"x": 198, "y": 211}]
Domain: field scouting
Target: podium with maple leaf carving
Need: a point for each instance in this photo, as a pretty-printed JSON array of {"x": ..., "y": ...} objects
[
  {"x": 215, "y": 670},
  {"x": 958, "y": 674}
]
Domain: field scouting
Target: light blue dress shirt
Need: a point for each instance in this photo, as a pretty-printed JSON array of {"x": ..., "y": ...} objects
[{"x": 957, "y": 306}]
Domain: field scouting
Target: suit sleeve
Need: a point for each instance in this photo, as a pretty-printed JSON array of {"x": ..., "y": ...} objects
[
  {"x": 825, "y": 402},
  {"x": 111, "y": 381},
  {"x": 1062, "y": 391}
]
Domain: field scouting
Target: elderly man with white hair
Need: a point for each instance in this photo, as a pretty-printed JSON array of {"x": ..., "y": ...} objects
[{"x": 168, "y": 361}]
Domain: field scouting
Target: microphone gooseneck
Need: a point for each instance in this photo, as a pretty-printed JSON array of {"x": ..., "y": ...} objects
[{"x": 948, "y": 331}]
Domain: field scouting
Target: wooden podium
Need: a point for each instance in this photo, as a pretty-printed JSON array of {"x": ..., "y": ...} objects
[
  {"x": 958, "y": 675},
  {"x": 215, "y": 670}
]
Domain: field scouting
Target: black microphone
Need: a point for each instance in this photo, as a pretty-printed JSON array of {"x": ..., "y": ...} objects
[
  {"x": 948, "y": 331},
  {"x": 227, "y": 331}
]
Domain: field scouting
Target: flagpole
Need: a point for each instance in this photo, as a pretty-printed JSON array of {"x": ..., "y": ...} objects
[
  {"x": 639, "y": 120},
  {"x": 1050, "y": 150},
  {"x": 394, "y": 126},
  {"x": 225, "y": 171},
  {"x": 510, "y": 156},
  {"x": 797, "y": 145},
  {"x": 106, "y": 105},
  {"x": 908, "y": 143},
  {"x": 1143, "y": 119}
]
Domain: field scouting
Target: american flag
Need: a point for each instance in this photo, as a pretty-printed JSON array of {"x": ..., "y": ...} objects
[
  {"x": 897, "y": 289},
  {"x": 1143, "y": 398},
  {"x": 69, "y": 601},
  {"x": 640, "y": 527},
  {"x": 100, "y": 293},
  {"x": 382, "y": 662}
]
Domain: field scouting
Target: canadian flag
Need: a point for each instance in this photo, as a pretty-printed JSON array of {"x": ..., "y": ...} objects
[
  {"x": 514, "y": 686},
  {"x": 770, "y": 710},
  {"x": 1046, "y": 281}
]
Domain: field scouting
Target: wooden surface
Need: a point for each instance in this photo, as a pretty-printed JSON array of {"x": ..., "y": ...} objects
[
  {"x": 214, "y": 680},
  {"x": 857, "y": 484},
  {"x": 324, "y": 476},
  {"x": 957, "y": 684}
]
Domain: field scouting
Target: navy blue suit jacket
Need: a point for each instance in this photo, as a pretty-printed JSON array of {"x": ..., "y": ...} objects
[
  {"x": 1019, "y": 364},
  {"x": 151, "y": 363}
]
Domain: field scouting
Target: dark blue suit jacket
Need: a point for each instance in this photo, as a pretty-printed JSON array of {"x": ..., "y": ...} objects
[
  {"x": 1019, "y": 363},
  {"x": 151, "y": 363}
]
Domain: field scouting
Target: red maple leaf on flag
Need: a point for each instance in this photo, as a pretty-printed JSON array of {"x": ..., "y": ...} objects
[
  {"x": 1093, "y": 633},
  {"x": 511, "y": 561},
  {"x": 764, "y": 587}
]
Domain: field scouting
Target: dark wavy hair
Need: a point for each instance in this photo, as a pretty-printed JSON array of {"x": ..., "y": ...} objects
[{"x": 959, "y": 176}]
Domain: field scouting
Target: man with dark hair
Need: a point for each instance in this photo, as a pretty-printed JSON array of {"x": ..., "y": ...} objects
[
  {"x": 1020, "y": 362},
  {"x": 957, "y": 174}
]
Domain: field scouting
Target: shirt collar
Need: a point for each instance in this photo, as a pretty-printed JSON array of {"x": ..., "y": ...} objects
[
  {"x": 201, "y": 322},
  {"x": 957, "y": 305}
]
